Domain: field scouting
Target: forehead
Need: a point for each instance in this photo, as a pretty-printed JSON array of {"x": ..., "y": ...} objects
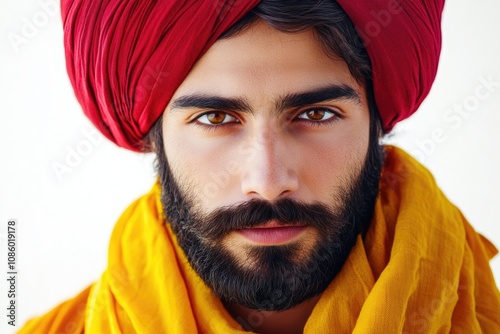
[{"x": 263, "y": 61}]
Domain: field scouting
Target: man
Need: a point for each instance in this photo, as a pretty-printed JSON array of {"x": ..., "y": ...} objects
[{"x": 309, "y": 225}]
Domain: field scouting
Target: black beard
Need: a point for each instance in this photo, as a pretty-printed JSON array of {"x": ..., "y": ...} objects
[{"x": 277, "y": 281}]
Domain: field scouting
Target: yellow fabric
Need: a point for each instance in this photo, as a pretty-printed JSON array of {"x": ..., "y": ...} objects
[{"x": 421, "y": 268}]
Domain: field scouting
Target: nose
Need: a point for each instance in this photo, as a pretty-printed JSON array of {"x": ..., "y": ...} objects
[{"x": 269, "y": 172}]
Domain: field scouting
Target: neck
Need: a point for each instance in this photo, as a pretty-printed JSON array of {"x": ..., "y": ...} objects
[{"x": 290, "y": 321}]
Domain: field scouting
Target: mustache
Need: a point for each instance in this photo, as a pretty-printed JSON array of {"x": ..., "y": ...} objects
[{"x": 256, "y": 212}]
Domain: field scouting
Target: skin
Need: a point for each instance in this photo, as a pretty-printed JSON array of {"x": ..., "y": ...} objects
[{"x": 306, "y": 152}]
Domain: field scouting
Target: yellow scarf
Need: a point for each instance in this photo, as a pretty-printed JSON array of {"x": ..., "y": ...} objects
[{"x": 420, "y": 269}]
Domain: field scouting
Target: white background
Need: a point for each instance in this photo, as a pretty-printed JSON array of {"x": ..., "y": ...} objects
[{"x": 64, "y": 222}]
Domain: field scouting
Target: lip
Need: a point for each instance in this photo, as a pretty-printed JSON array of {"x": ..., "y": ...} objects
[{"x": 272, "y": 233}]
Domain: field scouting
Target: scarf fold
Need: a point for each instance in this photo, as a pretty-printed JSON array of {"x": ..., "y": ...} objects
[{"x": 421, "y": 268}]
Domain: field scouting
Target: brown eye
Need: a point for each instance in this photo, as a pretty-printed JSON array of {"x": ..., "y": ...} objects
[
  {"x": 316, "y": 115},
  {"x": 216, "y": 118}
]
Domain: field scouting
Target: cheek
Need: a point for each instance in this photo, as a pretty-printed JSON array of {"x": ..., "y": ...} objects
[
  {"x": 328, "y": 163},
  {"x": 208, "y": 167}
]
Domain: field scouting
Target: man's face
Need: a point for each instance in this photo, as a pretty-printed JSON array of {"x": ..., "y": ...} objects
[{"x": 266, "y": 141}]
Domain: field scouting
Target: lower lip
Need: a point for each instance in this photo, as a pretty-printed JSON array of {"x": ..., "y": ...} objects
[{"x": 272, "y": 236}]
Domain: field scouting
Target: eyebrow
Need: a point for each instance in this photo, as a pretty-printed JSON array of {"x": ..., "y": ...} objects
[
  {"x": 203, "y": 101},
  {"x": 294, "y": 100},
  {"x": 329, "y": 93}
]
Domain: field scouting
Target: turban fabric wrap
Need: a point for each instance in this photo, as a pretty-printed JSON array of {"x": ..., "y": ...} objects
[{"x": 126, "y": 59}]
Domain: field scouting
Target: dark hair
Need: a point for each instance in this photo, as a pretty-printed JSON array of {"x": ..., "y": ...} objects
[
  {"x": 335, "y": 32},
  {"x": 333, "y": 28}
]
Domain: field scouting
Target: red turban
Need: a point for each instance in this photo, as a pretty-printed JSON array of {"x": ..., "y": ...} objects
[
  {"x": 125, "y": 59},
  {"x": 403, "y": 41}
]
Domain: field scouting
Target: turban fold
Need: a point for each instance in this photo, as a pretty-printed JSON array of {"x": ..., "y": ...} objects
[
  {"x": 403, "y": 41},
  {"x": 125, "y": 59}
]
